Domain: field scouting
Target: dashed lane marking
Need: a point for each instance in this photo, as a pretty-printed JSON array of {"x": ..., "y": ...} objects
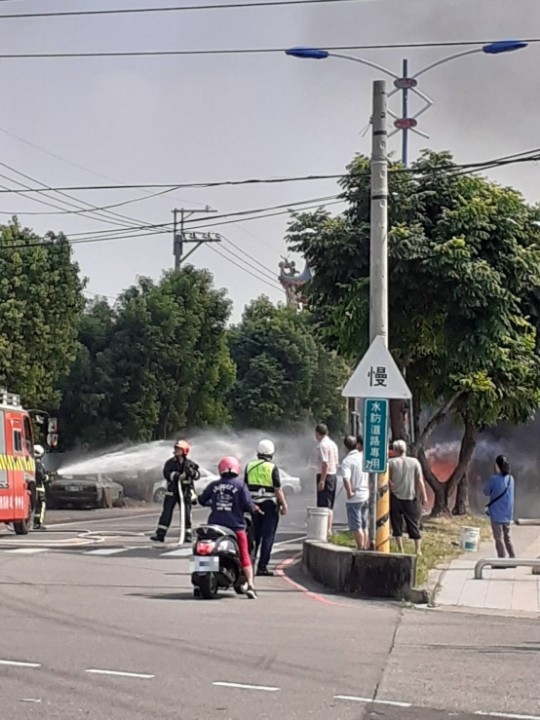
[
  {"x": 119, "y": 673},
  {"x": 241, "y": 686},
  {"x": 18, "y": 663},
  {"x": 354, "y": 698}
]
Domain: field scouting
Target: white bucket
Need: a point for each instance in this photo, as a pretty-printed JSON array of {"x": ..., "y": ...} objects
[
  {"x": 470, "y": 537},
  {"x": 317, "y": 523}
]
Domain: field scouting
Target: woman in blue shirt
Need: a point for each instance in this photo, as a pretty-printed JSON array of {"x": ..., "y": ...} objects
[{"x": 500, "y": 508}]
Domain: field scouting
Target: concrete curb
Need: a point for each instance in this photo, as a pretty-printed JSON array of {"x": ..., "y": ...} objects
[{"x": 363, "y": 573}]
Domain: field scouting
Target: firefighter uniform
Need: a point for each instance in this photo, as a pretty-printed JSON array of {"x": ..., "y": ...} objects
[
  {"x": 180, "y": 474},
  {"x": 262, "y": 478},
  {"x": 41, "y": 496}
]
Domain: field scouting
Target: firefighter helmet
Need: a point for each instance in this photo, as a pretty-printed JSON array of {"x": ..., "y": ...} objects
[
  {"x": 183, "y": 445},
  {"x": 39, "y": 452}
]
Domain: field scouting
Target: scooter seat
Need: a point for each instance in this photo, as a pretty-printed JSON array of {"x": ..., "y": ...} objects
[{"x": 213, "y": 531}]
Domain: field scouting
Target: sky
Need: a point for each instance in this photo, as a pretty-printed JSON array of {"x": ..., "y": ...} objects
[{"x": 192, "y": 119}]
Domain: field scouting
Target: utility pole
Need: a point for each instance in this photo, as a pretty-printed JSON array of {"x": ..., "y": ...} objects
[
  {"x": 180, "y": 237},
  {"x": 378, "y": 292}
]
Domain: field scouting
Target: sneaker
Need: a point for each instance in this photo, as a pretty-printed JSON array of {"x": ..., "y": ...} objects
[
  {"x": 157, "y": 538},
  {"x": 250, "y": 592},
  {"x": 265, "y": 572},
  {"x": 188, "y": 537}
]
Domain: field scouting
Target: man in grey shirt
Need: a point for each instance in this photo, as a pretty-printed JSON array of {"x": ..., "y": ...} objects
[{"x": 406, "y": 484}]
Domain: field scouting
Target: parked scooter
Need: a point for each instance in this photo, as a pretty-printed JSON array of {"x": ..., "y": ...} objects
[{"x": 216, "y": 560}]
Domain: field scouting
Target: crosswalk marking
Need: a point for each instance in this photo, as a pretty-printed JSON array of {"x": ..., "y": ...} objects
[
  {"x": 105, "y": 551},
  {"x": 181, "y": 552},
  {"x": 28, "y": 551}
]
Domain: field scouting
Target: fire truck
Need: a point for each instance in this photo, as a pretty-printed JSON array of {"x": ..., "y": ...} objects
[{"x": 17, "y": 464}]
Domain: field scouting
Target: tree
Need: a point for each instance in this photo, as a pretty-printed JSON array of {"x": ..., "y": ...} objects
[
  {"x": 464, "y": 275},
  {"x": 41, "y": 302},
  {"x": 156, "y": 363},
  {"x": 284, "y": 375}
]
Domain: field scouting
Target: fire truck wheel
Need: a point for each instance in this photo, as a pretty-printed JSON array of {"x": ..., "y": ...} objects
[{"x": 22, "y": 527}]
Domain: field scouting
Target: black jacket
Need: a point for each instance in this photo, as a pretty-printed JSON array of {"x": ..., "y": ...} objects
[
  {"x": 41, "y": 474},
  {"x": 181, "y": 466}
]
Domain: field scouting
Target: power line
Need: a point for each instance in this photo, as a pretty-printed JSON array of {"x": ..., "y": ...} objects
[
  {"x": 246, "y": 51},
  {"x": 274, "y": 286},
  {"x": 178, "y": 8}
]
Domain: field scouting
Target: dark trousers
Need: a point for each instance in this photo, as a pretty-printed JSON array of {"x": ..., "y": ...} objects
[
  {"x": 264, "y": 529},
  {"x": 40, "y": 507},
  {"x": 172, "y": 499},
  {"x": 501, "y": 535}
]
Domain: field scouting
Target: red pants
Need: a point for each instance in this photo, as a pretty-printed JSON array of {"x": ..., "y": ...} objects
[{"x": 245, "y": 560}]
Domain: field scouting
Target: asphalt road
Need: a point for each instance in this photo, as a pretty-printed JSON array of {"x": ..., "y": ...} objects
[{"x": 108, "y": 629}]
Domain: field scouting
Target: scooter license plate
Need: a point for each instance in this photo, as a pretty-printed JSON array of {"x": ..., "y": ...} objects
[{"x": 205, "y": 564}]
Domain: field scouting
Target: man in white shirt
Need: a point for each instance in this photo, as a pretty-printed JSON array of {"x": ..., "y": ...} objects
[
  {"x": 356, "y": 485},
  {"x": 326, "y": 477}
]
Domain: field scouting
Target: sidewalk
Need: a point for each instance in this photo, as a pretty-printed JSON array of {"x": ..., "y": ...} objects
[{"x": 513, "y": 590}]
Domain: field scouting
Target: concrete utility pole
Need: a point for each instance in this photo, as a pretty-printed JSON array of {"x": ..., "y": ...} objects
[
  {"x": 180, "y": 237},
  {"x": 378, "y": 291}
]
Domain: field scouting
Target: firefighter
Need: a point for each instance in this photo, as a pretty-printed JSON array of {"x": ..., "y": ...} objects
[
  {"x": 180, "y": 473},
  {"x": 264, "y": 484},
  {"x": 42, "y": 480}
]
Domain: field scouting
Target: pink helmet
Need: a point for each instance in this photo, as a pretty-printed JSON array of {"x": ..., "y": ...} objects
[{"x": 229, "y": 466}]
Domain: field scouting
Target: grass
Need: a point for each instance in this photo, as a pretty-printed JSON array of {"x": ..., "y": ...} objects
[{"x": 440, "y": 541}]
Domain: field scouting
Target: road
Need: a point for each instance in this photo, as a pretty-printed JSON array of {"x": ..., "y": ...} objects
[{"x": 104, "y": 625}]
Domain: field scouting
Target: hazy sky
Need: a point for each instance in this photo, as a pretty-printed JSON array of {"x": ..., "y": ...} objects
[{"x": 195, "y": 119}]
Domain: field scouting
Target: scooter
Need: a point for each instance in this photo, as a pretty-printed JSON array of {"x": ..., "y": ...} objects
[{"x": 216, "y": 560}]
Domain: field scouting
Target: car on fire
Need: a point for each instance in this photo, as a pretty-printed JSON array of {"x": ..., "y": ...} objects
[{"x": 89, "y": 490}]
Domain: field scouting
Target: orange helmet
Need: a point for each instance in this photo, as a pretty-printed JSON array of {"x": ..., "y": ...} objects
[{"x": 183, "y": 445}]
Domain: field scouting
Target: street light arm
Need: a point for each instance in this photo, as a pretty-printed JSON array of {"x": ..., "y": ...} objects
[
  {"x": 365, "y": 62},
  {"x": 445, "y": 60}
]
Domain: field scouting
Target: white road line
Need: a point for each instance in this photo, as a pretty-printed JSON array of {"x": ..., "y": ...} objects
[
  {"x": 184, "y": 552},
  {"x": 119, "y": 673},
  {"x": 106, "y": 551},
  {"x": 511, "y": 716},
  {"x": 246, "y": 687},
  {"x": 28, "y": 550},
  {"x": 354, "y": 698},
  {"x": 16, "y": 663}
]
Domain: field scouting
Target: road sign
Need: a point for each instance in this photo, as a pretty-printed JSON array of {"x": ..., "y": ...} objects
[
  {"x": 375, "y": 435},
  {"x": 377, "y": 376}
]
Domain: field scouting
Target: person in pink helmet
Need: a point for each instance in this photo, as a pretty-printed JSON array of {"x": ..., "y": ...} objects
[{"x": 229, "y": 499}]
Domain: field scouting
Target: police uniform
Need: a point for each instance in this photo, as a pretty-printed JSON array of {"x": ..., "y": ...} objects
[
  {"x": 180, "y": 474},
  {"x": 262, "y": 478},
  {"x": 41, "y": 495}
]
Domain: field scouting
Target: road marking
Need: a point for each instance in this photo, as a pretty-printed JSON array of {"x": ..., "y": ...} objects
[
  {"x": 184, "y": 552},
  {"x": 507, "y": 715},
  {"x": 266, "y": 688},
  {"x": 16, "y": 663},
  {"x": 354, "y": 698},
  {"x": 119, "y": 673},
  {"x": 28, "y": 550},
  {"x": 105, "y": 551}
]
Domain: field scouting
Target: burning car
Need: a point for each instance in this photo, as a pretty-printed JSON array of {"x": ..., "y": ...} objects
[{"x": 93, "y": 490}]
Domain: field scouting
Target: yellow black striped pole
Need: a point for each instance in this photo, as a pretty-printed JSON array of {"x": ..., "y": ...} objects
[{"x": 382, "y": 537}]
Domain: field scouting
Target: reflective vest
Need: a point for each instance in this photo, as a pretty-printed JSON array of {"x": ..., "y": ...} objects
[{"x": 259, "y": 479}]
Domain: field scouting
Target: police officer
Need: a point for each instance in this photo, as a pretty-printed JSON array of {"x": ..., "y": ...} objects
[
  {"x": 42, "y": 480},
  {"x": 264, "y": 484},
  {"x": 180, "y": 474}
]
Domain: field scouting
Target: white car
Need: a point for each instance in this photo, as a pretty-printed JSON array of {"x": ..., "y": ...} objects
[
  {"x": 291, "y": 485},
  {"x": 160, "y": 487}
]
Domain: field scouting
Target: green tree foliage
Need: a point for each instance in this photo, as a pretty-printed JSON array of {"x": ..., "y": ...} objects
[
  {"x": 40, "y": 305},
  {"x": 464, "y": 283},
  {"x": 154, "y": 364},
  {"x": 284, "y": 375}
]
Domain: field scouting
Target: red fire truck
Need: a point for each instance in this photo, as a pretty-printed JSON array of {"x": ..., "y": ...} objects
[{"x": 17, "y": 465}]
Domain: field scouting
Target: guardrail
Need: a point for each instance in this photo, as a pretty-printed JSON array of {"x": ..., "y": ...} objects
[{"x": 505, "y": 563}]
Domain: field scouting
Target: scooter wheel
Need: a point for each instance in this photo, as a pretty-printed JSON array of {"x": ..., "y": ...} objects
[{"x": 208, "y": 586}]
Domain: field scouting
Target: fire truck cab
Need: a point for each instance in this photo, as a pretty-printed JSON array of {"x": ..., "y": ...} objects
[{"x": 17, "y": 464}]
